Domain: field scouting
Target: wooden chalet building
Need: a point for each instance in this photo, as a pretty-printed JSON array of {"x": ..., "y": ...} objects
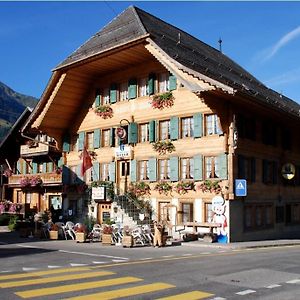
[{"x": 216, "y": 122}]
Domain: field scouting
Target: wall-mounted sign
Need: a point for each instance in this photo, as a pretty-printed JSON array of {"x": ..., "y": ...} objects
[
  {"x": 241, "y": 187},
  {"x": 121, "y": 133},
  {"x": 98, "y": 193},
  {"x": 123, "y": 152},
  {"x": 288, "y": 171}
]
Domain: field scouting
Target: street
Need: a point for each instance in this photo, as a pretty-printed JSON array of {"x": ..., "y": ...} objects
[{"x": 36, "y": 269}]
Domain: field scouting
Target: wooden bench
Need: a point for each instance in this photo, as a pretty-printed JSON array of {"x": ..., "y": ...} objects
[{"x": 209, "y": 236}]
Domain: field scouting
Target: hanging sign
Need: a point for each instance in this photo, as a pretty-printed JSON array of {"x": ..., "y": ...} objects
[
  {"x": 121, "y": 133},
  {"x": 98, "y": 193},
  {"x": 288, "y": 171}
]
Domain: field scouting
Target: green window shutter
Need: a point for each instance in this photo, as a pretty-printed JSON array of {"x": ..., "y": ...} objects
[
  {"x": 112, "y": 171},
  {"x": 23, "y": 167},
  {"x": 133, "y": 174},
  {"x": 50, "y": 166},
  {"x": 34, "y": 167},
  {"x": 151, "y": 84},
  {"x": 132, "y": 133},
  {"x": 152, "y": 169},
  {"x": 241, "y": 167},
  {"x": 65, "y": 175},
  {"x": 174, "y": 169},
  {"x": 174, "y": 128},
  {"x": 97, "y": 101},
  {"x": 96, "y": 171},
  {"x": 112, "y": 137},
  {"x": 60, "y": 162},
  {"x": 198, "y": 167},
  {"x": 172, "y": 82},
  {"x": 113, "y": 93},
  {"x": 66, "y": 143},
  {"x": 152, "y": 131},
  {"x": 198, "y": 126},
  {"x": 18, "y": 171},
  {"x": 81, "y": 140},
  {"x": 44, "y": 167},
  {"x": 223, "y": 170},
  {"x": 97, "y": 138},
  {"x": 253, "y": 169},
  {"x": 132, "y": 86}
]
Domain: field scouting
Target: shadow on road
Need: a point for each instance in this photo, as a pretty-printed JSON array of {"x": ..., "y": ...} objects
[{"x": 11, "y": 252}]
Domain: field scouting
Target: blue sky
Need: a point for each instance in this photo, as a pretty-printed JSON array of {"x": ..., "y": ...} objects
[{"x": 263, "y": 37}]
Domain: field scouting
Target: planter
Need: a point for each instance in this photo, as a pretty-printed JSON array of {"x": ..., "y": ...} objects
[
  {"x": 53, "y": 235},
  {"x": 80, "y": 237},
  {"x": 127, "y": 241},
  {"x": 106, "y": 239}
]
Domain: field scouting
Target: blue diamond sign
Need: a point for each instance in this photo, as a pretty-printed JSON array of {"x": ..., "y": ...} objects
[{"x": 240, "y": 187}]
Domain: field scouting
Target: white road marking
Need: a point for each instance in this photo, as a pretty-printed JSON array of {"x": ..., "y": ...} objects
[
  {"x": 77, "y": 265},
  {"x": 205, "y": 253},
  {"x": 98, "y": 262},
  {"x": 245, "y": 292},
  {"x": 54, "y": 267},
  {"x": 218, "y": 298},
  {"x": 29, "y": 269},
  {"x": 119, "y": 260},
  {"x": 166, "y": 256},
  {"x": 91, "y": 254},
  {"x": 7, "y": 271},
  {"x": 272, "y": 286},
  {"x": 146, "y": 258},
  {"x": 187, "y": 254},
  {"x": 294, "y": 281},
  {"x": 27, "y": 246}
]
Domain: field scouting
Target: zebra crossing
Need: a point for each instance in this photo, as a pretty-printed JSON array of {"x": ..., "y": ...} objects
[{"x": 84, "y": 283}]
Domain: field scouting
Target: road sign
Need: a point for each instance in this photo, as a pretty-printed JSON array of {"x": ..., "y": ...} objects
[{"x": 240, "y": 187}]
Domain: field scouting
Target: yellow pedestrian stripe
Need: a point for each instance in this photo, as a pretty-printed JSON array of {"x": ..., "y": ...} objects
[
  {"x": 42, "y": 273},
  {"x": 126, "y": 292},
  {"x": 195, "y": 295},
  {"x": 54, "y": 279},
  {"x": 76, "y": 287}
]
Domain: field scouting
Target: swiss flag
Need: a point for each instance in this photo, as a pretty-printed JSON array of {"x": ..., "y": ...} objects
[{"x": 86, "y": 161}]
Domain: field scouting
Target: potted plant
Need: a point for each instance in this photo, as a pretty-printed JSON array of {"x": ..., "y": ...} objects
[
  {"x": 183, "y": 187},
  {"x": 104, "y": 111},
  {"x": 211, "y": 186},
  {"x": 106, "y": 235},
  {"x": 35, "y": 181},
  {"x": 53, "y": 232},
  {"x": 163, "y": 187},
  {"x": 164, "y": 146},
  {"x": 80, "y": 233},
  {"x": 24, "y": 182},
  {"x": 127, "y": 240},
  {"x": 162, "y": 101},
  {"x": 139, "y": 189}
]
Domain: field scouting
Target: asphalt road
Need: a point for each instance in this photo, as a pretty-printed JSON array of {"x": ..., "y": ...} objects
[{"x": 66, "y": 269}]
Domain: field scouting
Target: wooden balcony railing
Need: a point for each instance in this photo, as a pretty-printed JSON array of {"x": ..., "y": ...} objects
[
  {"x": 34, "y": 150},
  {"x": 47, "y": 178}
]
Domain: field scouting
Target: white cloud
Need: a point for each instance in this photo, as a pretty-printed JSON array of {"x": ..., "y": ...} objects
[{"x": 285, "y": 78}]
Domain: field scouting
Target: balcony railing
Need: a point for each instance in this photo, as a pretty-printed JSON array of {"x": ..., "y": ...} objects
[
  {"x": 35, "y": 149},
  {"x": 47, "y": 178}
]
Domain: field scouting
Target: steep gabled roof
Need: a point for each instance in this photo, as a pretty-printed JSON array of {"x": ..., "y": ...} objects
[{"x": 188, "y": 51}]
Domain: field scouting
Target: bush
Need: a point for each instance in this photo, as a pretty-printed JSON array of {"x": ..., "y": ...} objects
[
  {"x": 12, "y": 223},
  {"x": 4, "y": 219}
]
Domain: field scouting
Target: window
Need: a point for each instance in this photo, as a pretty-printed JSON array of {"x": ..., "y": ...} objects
[
  {"x": 286, "y": 139},
  {"x": 105, "y": 171},
  {"x": 269, "y": 134},
  {"x": 186, "y": 168},
  {"x": 246, "y": 127},
  {"x": 91, "y": 175},
  {"x": 246, "y": 168},
  {"x": 106, "y": 137},
  {"x": 106, "y": 96},
  {"x": 28, "y": 198},
  {"x": 144, "y": 132},
  {"x": 90, "y": 140},
  {"x": 143, "y": 88},
  {"x": 258, "y": 216},
  {"x": 28, "y": 167},
  {"x": 163, "y": 82},
  {"x": 208, "y": 213},
  {"x": 41, "y": 168},
  {"x": 187, "y": 212},
  {"x": 187, "y": 127},
  {"x": 164, "y": 212},
  {"x": 212, "y": 124},
  {"x": 19, "y": 196},
  {"x": 164, "y": 169},
  {"x": 164, "y": 130},
  {"x": 292, "y": 213},
  {"x": 124, "y": 91},
  {"x": 143, "y": 167},
  {"x": 74, "y": 142},
  {"x": 211, "y": 167},
  {"x": 270, "y": 172}
]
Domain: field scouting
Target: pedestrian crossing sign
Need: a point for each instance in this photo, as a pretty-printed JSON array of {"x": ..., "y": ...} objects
[{"x": 240, "y": 187}]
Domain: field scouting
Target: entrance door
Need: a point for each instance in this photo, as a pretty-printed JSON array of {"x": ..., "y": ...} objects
[{"x": 123, "y": 175}]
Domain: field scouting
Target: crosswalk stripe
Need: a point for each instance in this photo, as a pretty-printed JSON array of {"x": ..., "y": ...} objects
[
  {"x": 194, "y": 295},
  {"x": 126, "y": 292},
  {"x": 42, "y": 273},
  {"x": 76, "y": 287},
  {"x": 44, "y": 280}
]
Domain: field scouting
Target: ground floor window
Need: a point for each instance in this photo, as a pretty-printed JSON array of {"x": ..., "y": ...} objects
[
  {"x": 207, "y": 212},
  {"x": 163, "y": 211},
  {"x": 292, "y": 213},
  {"x": 187, "y": 212},
  {"x": 258, "y": 216}
]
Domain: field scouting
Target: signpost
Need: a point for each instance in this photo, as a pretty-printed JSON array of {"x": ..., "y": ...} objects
[{"x": 240, "y": 187}]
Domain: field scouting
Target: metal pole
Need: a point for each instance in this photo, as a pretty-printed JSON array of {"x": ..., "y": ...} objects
[{"x": 1, "y": 181}]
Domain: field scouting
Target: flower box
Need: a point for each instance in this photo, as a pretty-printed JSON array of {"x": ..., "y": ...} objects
[
  {"x": 104, "y": 111},
  {"x": 127, "y": 241},
  {"x": 53, "y": 235},
  {"x": 162, "y": 101},
  {"x": 106, "y": 239},
  {"x": 164, "y": 146},
  {"x": 80, "y": 237}
]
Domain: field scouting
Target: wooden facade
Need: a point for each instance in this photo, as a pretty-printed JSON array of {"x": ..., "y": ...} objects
[{"x": 221, "y": 131}]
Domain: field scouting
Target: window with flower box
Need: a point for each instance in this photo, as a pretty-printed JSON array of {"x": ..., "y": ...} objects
[
  {"x": 163, "y": 82},
  {"x": 164, "y": 130},
  {"x": 211, "y": 167},
  {"x": 187, "y": 168},
  {"x": 144, "y": 132},
  {"x": 124, "y": 91},
  {"x": 143, "y": 88},
  {"x": 106, "y": 96},
  {"x": 187, "y": 127},
  {"x": 164, "y": 169},
  {"x": 143, "y": 170},
  {"x": 212, "y": 124},
  {"x": 258, "y": 216}
]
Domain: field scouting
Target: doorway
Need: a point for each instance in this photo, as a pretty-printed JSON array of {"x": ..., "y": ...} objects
[{"x": 123, "y": 175}]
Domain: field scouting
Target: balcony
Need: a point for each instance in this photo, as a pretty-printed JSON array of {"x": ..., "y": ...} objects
[
  {"x": 36, "y": 149},
  {"x": 47, "y": 178}
]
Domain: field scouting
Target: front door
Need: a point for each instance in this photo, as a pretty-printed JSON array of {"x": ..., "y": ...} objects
[{"x": 123, "y": 175}]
